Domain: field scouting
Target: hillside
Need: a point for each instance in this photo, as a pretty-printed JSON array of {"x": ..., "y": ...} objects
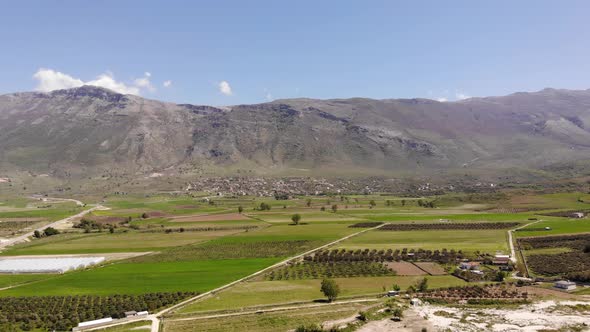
[{"x": 88, "y": 130}]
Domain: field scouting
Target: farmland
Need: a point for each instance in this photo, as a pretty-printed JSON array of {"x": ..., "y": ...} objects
[{"x": 193, "y": 245}]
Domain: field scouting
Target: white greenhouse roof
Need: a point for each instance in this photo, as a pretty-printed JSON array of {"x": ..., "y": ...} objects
[{"x": 46, "y": 265}]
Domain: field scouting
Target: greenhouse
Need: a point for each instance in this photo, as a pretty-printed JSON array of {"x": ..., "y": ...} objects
[{"x": 47, "y": 265}]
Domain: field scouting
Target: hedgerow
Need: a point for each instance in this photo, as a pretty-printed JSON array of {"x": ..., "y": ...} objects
[{"x": 61, "y": 313}]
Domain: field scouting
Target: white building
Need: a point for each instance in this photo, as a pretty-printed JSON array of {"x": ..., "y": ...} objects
[{"x": 565, "y": 285}]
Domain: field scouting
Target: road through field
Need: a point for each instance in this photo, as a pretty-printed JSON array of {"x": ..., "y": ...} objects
[
  {"x": 155, "y": 318},
  {"x": 24, "y": 237}
]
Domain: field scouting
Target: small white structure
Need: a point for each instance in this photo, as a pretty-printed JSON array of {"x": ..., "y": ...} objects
[
  {"x": 142, "y": 313},
  {"x": 131, "y": 313},
  {"x": 578, "y": 215},
  {"x": 95, "y": 322},
  {"x": 501, "y": 259},
  {"x": 392, "y": 293},
  {"x": 565, "y": 285},
  {"x": 47, "y": 265},
  {"x": 415, "y": 302}
]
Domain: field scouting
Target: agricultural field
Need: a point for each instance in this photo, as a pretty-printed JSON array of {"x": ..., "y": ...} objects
[
  {"x": 465, "y": 240},
  {"x": 195, "y": 244},
  {"x": 264, "y": 293}
]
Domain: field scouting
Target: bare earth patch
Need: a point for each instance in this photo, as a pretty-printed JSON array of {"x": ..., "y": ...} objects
[
  {"x": 545, "y": 315},
  {"x": 405, "y": 269},
  {"x": 210, "y": 217},
  {"x": 431, "y": 268}
]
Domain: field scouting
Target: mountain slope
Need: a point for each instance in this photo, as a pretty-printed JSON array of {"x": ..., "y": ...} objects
[{"x": 89, "y": 129}]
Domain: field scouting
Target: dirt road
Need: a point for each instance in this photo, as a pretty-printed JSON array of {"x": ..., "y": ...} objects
[{"x": 56, "y": 224}]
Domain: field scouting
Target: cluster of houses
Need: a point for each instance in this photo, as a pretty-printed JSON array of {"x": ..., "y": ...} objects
[{"x": 503, "y": 261}]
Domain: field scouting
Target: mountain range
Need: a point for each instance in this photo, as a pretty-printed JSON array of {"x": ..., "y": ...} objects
[{"x": 89, "y": 130}]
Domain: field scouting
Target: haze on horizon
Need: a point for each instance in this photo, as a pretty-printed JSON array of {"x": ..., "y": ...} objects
[{"x": 229, "y": 52}]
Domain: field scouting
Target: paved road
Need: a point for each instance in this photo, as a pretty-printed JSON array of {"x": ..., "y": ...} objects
[{"x": 24, "y": 237}]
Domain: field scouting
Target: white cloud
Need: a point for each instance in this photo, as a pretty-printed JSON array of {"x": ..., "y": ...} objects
[
  {"x": 267, "y": 94},
  {"x": 53, "y": 80},
  {"x": 461, "y": 96},
  {"x": 144, "y": 82},
  {"x": 49, "y": 80},
  {"x": 225, "y": 88},
  {"x": 167, "y": 84},
  {"x": 442, "y": 99}
]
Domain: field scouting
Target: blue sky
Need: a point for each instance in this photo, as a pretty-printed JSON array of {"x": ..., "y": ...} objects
[{"x": 281, "y": 49}]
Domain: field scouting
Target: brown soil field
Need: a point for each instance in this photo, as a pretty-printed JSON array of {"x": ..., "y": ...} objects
[
  {"x": 405, "y": 269},
  {"x": 107, "y": 219},
  {"x": 210, "y": 217},
  {"x": 152, "y": 214},
  {"x": 432, "y": 268}
]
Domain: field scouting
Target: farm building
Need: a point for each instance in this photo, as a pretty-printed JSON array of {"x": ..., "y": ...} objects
[
  {"x": 47, "y": 265},
  {"x": 501, "y": 260},
  {"x": 565, "y": 285},
  {"x": 578, "y": 215},
  {"x": 131, "y": 313},
  {"x": 95, "y": 322},
  {"x": 392, "y": 293},
  {"x": 469, "y": 265}
]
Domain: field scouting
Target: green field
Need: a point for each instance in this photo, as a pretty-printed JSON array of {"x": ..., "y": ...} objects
[
  {"x": 203, "y": 260},
  {"x": 268, "y": 322},
  {"x": 105, "y": 243},
  {"x": 466, "y": 240},
  {"x": 259, "y": 293},
  {"x": 557, "y": 225},
  {"x": 137, "y": 278}
]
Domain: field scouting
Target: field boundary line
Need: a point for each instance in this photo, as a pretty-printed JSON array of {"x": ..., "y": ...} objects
[
  {"x": 279, "y": 264},
  {"x": 275, "y": 309}
]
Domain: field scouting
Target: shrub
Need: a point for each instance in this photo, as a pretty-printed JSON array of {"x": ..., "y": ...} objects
[{"x": 49, "y": 231}]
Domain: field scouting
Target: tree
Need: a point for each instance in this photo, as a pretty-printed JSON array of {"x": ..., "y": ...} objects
[
  {"x": 388, "y": 202},
  {"x": 396, "y": 287},
  {"x": 49, "y": 231},
  {"x": 240, "y": 209},
  {"x": 403, "y": 202},
  {"x": 37, "y": 234},
  {"x": 308, "y": 203},
  {"x": 330, "y": 289},
  {"x": 372, "y": 203},
  {"x": 296, "y": 218},
  {"x": 111, "y": 229},
  {"x": 145, "y": 215},
  {"x": 422, "y": 285},
  {"x": 264, "y": 207},
  {"x": 323, "y": 208},
  {"x": 334, "y": 208}
]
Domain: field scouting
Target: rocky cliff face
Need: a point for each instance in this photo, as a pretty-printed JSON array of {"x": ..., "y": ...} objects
[{"x": 90, "y": 128}]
